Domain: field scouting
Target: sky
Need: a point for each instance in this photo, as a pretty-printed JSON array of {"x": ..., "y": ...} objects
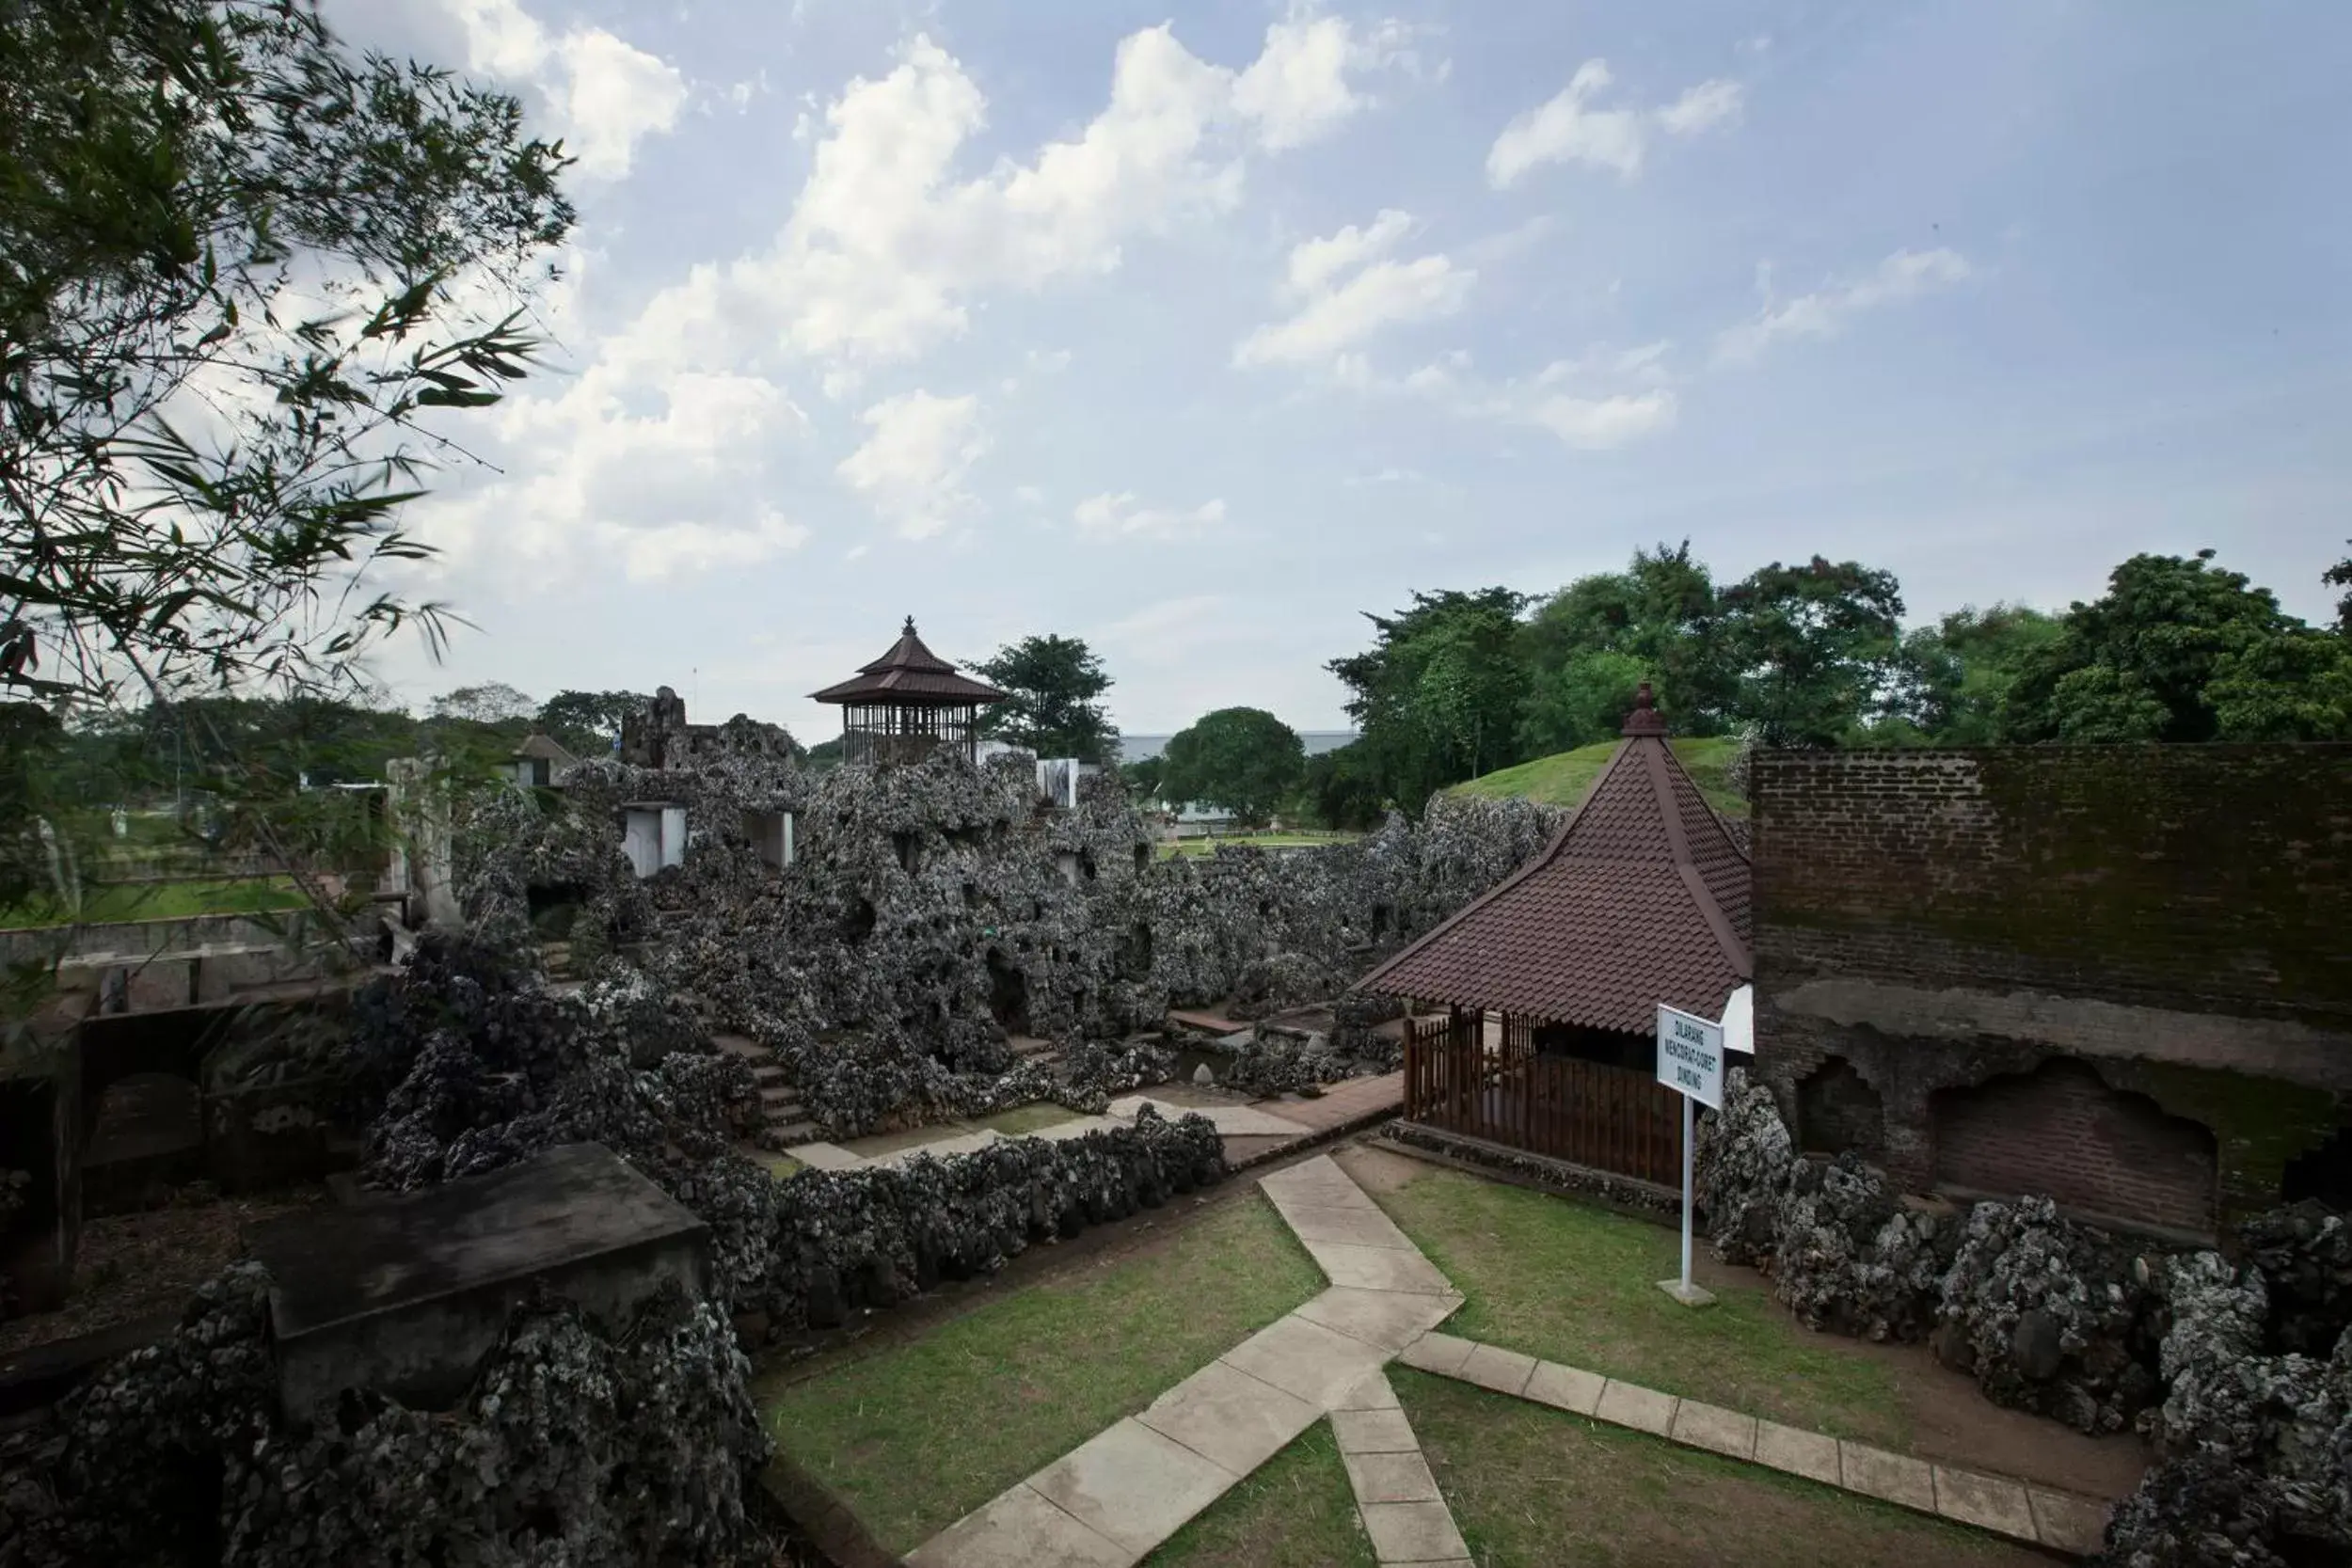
[{"x": 1200, "y": 338}]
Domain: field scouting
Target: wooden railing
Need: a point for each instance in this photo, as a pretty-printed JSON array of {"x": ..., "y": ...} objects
[{"x": 1565, "y": 1108}]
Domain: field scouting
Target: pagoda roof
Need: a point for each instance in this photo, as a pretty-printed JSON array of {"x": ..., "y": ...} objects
[
  {"x": 910, "y": 673},
  {"x": 1642, "y": 897}
]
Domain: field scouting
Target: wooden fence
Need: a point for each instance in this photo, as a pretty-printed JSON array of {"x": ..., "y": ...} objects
[{"x": 1503, "y": 1090}]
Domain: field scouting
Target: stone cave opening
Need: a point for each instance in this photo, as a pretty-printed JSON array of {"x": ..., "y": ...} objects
[{"x": 1008, "y": 993}]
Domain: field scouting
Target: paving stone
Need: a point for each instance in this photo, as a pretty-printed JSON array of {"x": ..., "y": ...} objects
[
  {"x": 1441, "y": 1354},
  {"x": 1019, "y": 1529},
  {"x": 1505, "y": 1371},
  {"x": 823, "y": 1156},
  {"x": 1989, "y": 1502},
  {"x": 1373, "y": 1431},
  {"x": 1132, "y": 1485},
  {"x": 1390, "y": 1478},
  {"x": 2066, "y": 1523},
  {"x": 1289, "y": 1189},
  {"x": 1412, "y": 1533},
  {"x": 1712, "y": 1427},
  {"x": 1378, "y": 1268},
  {"x": 1389, "y": 1319},
  {"x": 1630, "y": 1404},
  {"x": 1360, "y": 1226},
  {"x": 1569, "y": 1388},
  {"x": 1372, "y": 1393},
  {"x": 1893, "y": 1476},
  {"x": 1230, "y": 1418},
  {"x": 1316, "y": 1364},
  {"x": 1811, "y": 1454}
]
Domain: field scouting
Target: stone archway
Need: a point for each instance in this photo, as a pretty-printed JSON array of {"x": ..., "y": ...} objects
[{"x": 2063, "y": 1131}]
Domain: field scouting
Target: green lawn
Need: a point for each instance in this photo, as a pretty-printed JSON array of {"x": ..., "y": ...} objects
[
  {"x": 1023, "y": 1119},
  {"x": 1533, "y": 1488},
  {"x": 1562, "y": 779},
  {"x": 916, "y": 1435},
  {"x": 1568, "y": 1282},
  {"x": 1296, "y": 1510},
  {"x": 160, "y": 901}
]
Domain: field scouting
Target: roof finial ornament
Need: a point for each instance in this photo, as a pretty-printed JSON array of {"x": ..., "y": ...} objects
[
  {"x": 909, "y": 626},
  {"x": 1644, "y": 718}
]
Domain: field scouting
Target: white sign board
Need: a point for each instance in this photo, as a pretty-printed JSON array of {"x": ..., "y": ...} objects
[
  {"x": 1740, "y": 1021},
  {"x": 1691, "y": 1056}
]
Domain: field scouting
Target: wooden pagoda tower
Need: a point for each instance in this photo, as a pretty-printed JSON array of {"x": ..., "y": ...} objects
[{"x": 907, "y": 705}]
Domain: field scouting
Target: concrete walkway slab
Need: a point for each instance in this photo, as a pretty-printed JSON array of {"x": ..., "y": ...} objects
[
  {"x": 1441, "y": 1354},
  {"x": 824, "y": 1156},
  {"x": 1307, "y": 1360},
  {"x": 1316, "y": 1183},
  {"x": 1229, "y": 1417},
  {"x": 1630, "y": 1404},
  {"x": 1390, "y": 1478},
  {"x": 1132, "y": 1485},
  {"x": 1020, "y": 1529},
  {"x": 1412, "y": 1533},
  {"x": 1378, "y": 1268},
  {"x": 1890, "y": 1476},
  {"x": 1354, "y": 1227},
  {"x": 1505, "y": 1371},
  {"x": 1810, "y": 1454},
  {"x": 1570, "y": 1388},
  {"x": 1390, "y": 1319},
  {"x": 1712, "y": 1427},
  {"x": 2066, "y": 1523},
  {"x": 1373, "y": 1431},
  {"x": 1988, "y": 1502},
  {"x": 1372, "y": 1393}
]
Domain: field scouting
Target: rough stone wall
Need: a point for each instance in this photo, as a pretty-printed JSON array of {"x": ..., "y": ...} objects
[
  {"x": 2168, "y": 915},
  {"x": 934, "y": 911}
]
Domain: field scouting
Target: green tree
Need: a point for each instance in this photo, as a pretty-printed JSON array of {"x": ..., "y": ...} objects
[
  {"x": 2293, "y": 685},
  {"x": 1142, "y": 777},
  {"x": 1954, "y": 676},
  {"x": 1589, "y": 645},
  {"x": 1812, "y": 649},
  {"x": 2340, "y": 576},
  {"x": 1241, "y": 759},
  {"x": 2141, "y": 662},
  {"x": 1439, "y": 695},
  {"x": 1342, "y": 788},
  {"x": 237, "y": 275},
  {"x": 1054, "y": 684},
  {"x": 491, "y": 703},
  {"x": 587, "y": 722}
]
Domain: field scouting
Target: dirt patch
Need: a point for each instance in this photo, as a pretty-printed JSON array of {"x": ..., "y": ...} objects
[
  {"x": 133, "y": 1266},
  {"x": 1378, "y": 1170}
]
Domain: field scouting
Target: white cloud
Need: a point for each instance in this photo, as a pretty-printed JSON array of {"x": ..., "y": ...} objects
[
  {"x": 1120, "y": 514},
  {"x": 886, "y": 244},
  {"x": 1701, "y": 108},
  {"x": 913, "y": 464},
  {"x": 1904, "y": 275},
  {"x": 605, "y": 94},
  {"x": 1569, "y": 129},
  {"x": 1594, "y": 424},
  {"x": 677, "y": 549},
  {"x": 1339, "y": 310}
]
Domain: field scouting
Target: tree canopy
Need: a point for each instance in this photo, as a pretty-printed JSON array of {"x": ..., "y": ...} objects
[
  {"x": 240, "y": 270},
  {"x": 586, "y": 723},
  {"x": 1052, "y": 684},
  {"x": 2180, "y": 650},
  {"x": 1243, "y": 759}
]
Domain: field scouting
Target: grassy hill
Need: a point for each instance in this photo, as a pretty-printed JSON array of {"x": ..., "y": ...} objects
[{"x": 1562, "y": 779}]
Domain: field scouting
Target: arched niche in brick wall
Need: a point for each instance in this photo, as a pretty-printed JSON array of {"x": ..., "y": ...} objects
[
  {"x": 2064, "y": 1133},
  {"x": 1837, "y": 1110}
]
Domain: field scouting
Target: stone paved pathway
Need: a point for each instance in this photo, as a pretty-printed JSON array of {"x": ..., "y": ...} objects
[{"x": 1113, "y": 1499}]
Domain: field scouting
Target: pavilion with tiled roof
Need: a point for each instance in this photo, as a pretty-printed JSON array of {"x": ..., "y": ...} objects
[
  {"x": 1550, "y": 981},
  {"x": 907, "y": 705}
]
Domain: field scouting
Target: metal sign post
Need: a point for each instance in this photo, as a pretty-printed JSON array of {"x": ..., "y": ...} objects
[{"x": 1691, "y": 1062}]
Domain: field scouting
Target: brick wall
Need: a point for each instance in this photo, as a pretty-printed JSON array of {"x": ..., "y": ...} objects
[
  {"x": 2206, "y": 878},
  {"x": 2062, "y": 1133}
]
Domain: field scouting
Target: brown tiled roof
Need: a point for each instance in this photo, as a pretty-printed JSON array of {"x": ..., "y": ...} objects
[
  {"x": 537, "y": 747},
  {"x": 909, "y": 672},
  {"x": 1641, "y": 898}
]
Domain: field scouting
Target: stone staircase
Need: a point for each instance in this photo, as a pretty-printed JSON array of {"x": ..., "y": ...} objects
[
  {"x": 786, "y": 1118},
  {"x": 1026, "y": 1048}
]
